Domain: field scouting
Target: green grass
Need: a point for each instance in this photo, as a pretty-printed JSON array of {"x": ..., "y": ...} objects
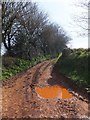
[
  {"x": 11, "y": 66},
  {"x": 75, "y": 66}
]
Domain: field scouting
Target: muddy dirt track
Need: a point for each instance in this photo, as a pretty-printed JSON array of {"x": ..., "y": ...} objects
[{"x": 19, "y": 98}]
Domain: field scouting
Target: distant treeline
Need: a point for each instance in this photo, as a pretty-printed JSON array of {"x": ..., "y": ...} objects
[{"x": 27, "y": 31}]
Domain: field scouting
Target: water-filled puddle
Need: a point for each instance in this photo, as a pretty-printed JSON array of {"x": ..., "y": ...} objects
[{"x": 53, "y": 92}]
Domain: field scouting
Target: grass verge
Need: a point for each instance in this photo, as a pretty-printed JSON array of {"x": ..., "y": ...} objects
[
  {"x": 11, "y": 66},
  {"x": 75, "y": 66}
]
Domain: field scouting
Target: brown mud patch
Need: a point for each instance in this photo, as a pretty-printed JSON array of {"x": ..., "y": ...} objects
[{"x": 20, "y": 100}]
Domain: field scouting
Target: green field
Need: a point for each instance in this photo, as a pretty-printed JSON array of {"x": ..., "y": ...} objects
[{"x": 75, "y": 66}]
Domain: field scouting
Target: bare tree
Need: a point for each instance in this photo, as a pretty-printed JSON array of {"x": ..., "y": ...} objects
[
  {"x": 83, "y": 20},
  {"x": 27, "y": 31},
  {"x": 11, "y": 11}
]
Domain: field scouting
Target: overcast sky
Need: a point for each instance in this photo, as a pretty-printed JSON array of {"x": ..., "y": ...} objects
[{"x": 62, "y": 13}]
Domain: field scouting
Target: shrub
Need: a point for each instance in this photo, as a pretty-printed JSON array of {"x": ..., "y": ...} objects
[
  {"x": 12, "y": 66},
  {"x": 75, "y": 66}
]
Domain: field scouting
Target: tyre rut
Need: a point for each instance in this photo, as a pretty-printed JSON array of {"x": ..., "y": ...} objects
[{"x": 20, "y": 99}]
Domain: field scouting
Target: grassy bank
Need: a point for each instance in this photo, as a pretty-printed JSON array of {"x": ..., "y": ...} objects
[
  {"x": 75, "y": 66},
  {"x": 11, "y": 66}
]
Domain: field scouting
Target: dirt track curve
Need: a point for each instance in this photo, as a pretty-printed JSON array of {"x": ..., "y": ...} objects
[{"x": 19, "y": 98}]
